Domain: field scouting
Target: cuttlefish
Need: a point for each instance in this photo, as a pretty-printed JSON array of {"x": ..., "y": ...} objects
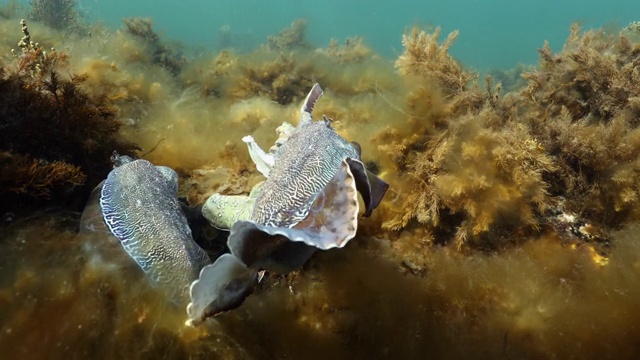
[
  {"x": 138, "y": 203},
  {"x": 307, "y": 202}
]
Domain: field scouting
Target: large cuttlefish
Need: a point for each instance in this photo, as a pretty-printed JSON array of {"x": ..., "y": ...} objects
[
  {"x": 307, "y": 202},
  {"x": 139, "y": 206}
]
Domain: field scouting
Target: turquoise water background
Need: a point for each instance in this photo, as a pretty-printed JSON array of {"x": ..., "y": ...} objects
[{"x": 493, "y": 33}]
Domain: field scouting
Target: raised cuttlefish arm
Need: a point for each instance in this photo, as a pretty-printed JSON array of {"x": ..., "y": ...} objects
[{"x": 264, "y": 162}]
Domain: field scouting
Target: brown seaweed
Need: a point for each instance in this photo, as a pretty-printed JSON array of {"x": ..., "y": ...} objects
[
  {"x": 425, "y": 57},
  {"x": 282, "y": 80},
  {"x": 289, "y": 38},
  {"x": 50, "y": 123},
  {"x": 36, "y": 177},
  {"x": 353, "y": 50},
  {"x": 162, "y": 55},
  {"x": 587, "y": 101},
  {"x": 57, "y": 14},
  {"x": 484, "y": 163}
]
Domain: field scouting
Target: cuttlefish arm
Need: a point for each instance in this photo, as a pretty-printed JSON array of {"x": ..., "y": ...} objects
[
  {"x": 264, "y": 162},
  {"x": 309, "y": 103},
  {"x": 371, "y": 187},
  {"x": 222, "y": 211},
  {"x": 221, "y": 286}
]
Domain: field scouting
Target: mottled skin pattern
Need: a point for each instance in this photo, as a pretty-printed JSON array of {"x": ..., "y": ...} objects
[
  {"x": 304, "y": 165},
  {"x": 140, "y": 207},
  {"x": 222, "y": 211}
]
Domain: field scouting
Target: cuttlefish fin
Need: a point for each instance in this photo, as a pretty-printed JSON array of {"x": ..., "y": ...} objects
[
  {"x": 370, "y": 186},
  {"x": 92, "y": 220},
  {"x": 264, "y": 162},
  {"x": 221, "y": 286},
  {"x": 332, "y": 220},
  {"x": 171, "y": 176}
]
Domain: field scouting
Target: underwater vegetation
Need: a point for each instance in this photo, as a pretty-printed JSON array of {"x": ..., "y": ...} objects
[
  {"x": 472, "y": 172},
  {"x": 57, "y": 14},
  {"x": 289, "y": 38},
  {"x": 55, "y": 135},
  {"x": 590, "y": 96},
  {"x": 353, "y": 50},
  {"x": 280, "y": 80},
  {"x": 542, "y": 299},
  {"x": 161, "y": 54},
  {"x": 488, "y": 164},
  {"x": 510, "y": 228}
]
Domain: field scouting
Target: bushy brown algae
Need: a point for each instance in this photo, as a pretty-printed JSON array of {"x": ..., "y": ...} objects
[
  {"x": 162, "y": 54},
  {"x": 535, "y": 301},
  {"x": 68, "y": 296},
  {"x": 353, "y": 50},
  {"x": 289, "y": 38},
  {"x": 587, "y": 100},
  {"x": 57, "y": 14},
  {"x": 281, "y": 80},
  {"x": 563, "y": 141},
  {"x": 537, "y": 186},
  {"x": 55, "y": 136},
  {"x": 25, "y": 175}
]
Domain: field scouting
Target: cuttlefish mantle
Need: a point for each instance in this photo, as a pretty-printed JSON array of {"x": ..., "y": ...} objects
[{"x": 138, "y": 204}]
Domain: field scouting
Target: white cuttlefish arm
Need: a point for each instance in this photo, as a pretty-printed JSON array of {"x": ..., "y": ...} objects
[{"x": 264, "y": 162}]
